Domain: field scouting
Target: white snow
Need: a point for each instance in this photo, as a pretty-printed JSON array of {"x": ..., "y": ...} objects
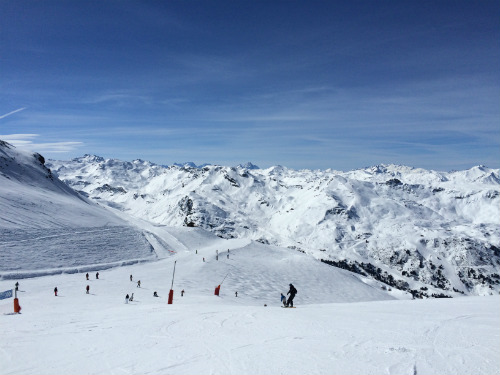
[
  {"x": 200, "y": 333},
  {"x": 343, "y": 323}
]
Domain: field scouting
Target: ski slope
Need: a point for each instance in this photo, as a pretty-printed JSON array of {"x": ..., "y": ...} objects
[{"x": 342, "y": 324}]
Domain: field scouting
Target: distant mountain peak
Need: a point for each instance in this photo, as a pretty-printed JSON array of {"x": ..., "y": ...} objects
[
  {"x": 188, "y": 164},
  {"x": 248, "y": 165}
]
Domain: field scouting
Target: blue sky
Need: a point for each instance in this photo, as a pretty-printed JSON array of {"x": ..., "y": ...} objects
[{"x": 304, "y": 84}]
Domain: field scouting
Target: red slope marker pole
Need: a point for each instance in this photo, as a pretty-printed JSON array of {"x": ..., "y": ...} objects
[
  {"x": 171, "y": 293},
  {"x": 17, "y": 307}
]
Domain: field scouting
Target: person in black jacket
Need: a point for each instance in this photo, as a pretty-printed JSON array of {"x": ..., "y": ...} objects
[{"x": 292, "y": 292}]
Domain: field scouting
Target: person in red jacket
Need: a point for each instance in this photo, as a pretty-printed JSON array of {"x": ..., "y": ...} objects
[{"x": 55, "y": 291}]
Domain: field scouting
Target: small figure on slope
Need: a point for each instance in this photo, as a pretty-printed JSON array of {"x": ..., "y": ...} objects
[
  {"x": 182, "y": 293},
  {"x": 88, "y": 289},
  {"x": 126, "y": 298},
  {"x": 236, "y": 294},
  {"x": 155, "y": 294},
  {"x": 97, "y": 275},
  {"x": 130, "y": 277},
  {"x": 87, "y": 275},
  {"x": 131, "y": 297},
  {"x": 292, "y": 293},
  {"x": 139, "y": 283},
  {"x": 283, "y": 299},
  {"x": 55, "y": 291}
]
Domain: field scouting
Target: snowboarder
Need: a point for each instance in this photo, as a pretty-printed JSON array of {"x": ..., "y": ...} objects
[
  {"x": 55, "y": 291},
  {"x": 88, "y": 289},
  {"x": 126, "y": 298},
  {"x": 139, "y": 283},
  {"x": 236, "y": 294},
  {"x": 87, "y": 275},
  {"x": 283, "y": 299},
  {"x": 130, "y": 277},
  {"x": 292, "y": 293},
  {"x": 155, "y": 294},
  {"x": 97, "y": 275},
  {"x": 131, "y": 297},
  {"x": 182, "y": 293}
]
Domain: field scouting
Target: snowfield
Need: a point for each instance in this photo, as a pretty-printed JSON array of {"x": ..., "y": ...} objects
[{"x": 343, "y": 323}]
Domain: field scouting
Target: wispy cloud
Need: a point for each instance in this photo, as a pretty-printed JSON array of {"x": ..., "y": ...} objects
[
  {"x": 26, "y": 141},
  {"x": 12, "y": 112}
]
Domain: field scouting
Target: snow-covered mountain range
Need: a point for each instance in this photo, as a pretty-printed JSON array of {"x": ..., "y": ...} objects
[
  {"x": 117, "y": 226},
  {"x": 427, "y": 232}
]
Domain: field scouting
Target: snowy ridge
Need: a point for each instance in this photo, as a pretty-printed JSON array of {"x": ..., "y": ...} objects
[
  {"x": 48, "y": 228},
  {"x": 424, "y": 231}
]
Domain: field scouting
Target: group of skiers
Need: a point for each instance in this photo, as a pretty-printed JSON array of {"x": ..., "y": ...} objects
[{"x": 286, "y": 302}]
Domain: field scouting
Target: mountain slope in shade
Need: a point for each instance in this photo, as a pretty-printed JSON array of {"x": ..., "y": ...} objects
[{"x": 47, "y": 227}]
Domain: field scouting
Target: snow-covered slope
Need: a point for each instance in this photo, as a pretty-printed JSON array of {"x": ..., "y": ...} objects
[
  {"x": 47, "y": 227},
  {"x": 201, "y": 333},
  {"x": 425, "y": 231},
  {"x": 344, "y": 322}
]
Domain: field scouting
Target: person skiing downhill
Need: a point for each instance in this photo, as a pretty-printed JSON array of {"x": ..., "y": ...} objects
[{"x": 292, "y": 293}]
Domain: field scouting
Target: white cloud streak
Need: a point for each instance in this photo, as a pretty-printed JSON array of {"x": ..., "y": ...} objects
[
  {"x": 11, "y": 113},
  {"x": 25, "y": 141}
]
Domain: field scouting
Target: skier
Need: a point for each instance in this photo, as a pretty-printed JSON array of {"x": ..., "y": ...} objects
[
  {"x": 97, "y": 275},
  {"x": 87, "y": 275},
  {"x": 55, "y": 291},
  {"x": 292, "y": 293},
  {"x": 283, "y": 299},
  {"x": 126, "y": 298},
  {"x": 130, "y": 277},
  {"x": 155, "y": 294},
  {"x": 17, "y": 286},
  {"x": 139, "y": 283},
  {"x": 182, "y": 293},
  {"x": 131, "y": 297},
  {"x": 88, "y": 289},
  {"x": 203, "y": 258},
  {"x": 236, "y": 294},
  {"x": 227, "y": 255}
]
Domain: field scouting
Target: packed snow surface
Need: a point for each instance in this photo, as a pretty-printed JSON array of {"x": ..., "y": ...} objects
[{"x": 342, "y": 324}]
